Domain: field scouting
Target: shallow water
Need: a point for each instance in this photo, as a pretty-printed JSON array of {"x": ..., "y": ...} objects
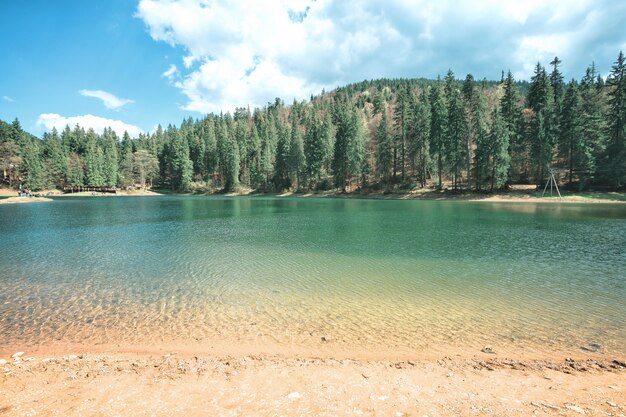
[{"x": 314, "y": 276}]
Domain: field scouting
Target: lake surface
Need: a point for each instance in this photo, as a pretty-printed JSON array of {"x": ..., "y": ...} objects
[{"x": 305, "y": 276}]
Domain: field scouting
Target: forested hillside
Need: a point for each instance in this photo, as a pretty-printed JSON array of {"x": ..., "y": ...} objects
[{"x": 452, "y": 133}]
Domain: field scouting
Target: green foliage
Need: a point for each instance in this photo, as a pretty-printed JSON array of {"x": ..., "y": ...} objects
[
  {"x": 385, "y": 155},
  {"x": 94, "y": 161},
  {"x": 297, "y": 161},
  {"x": 32, "y": 169},
  {"x": 110, "y": 165},
  {"x": 616, "y": 149},
  {"x": 372, "y": 131},
  {"x": 438, "y": 125}
]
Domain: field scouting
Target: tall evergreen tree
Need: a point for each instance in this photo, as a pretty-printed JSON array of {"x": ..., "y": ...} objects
[
  {"x": 573, "y": 146},
  {"x": 616, "y": 149},
  {"x": 297, "y": 161},
  {"x": 110, "y": 164},
  {"x": 54, "y": 159},
  {"x": 438, "y": 124},
  {"x": 32, "y": 168},
  {"x": 384, "y": 154},
  {"x": 93, "y": 161},
  {"x": 75, "y": 171},
  {"x": 470, "y": 98},
  {"x": 419, "y": 134},
  {"x": 181, "y": 165},
  {"x": 540, "y": 100},
  {"x": 401, "y": 122},
  {"x": 456, "y": 146},
  {"x": 511, "y": 112},
  {"x": 594, "y": 124},
  {"x": 282, "y": 177},
  {"x": 230, "y": 158},
  {"x": 348, "y": 153}
]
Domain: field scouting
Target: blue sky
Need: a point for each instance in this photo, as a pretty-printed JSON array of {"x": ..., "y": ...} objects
[{"x": 133, "y": 64}]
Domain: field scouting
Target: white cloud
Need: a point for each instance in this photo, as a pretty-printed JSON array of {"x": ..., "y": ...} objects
[
  {"x": 110, "y": 101},
  {"x": 171, "y": 72},
  {"x": 7, "y": 98},
  {"x": 248, "y": 52},
  {"x": 50, "y": 120}
]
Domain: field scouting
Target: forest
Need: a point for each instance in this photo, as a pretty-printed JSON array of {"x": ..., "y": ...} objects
[{"x": 375, "y": 135}]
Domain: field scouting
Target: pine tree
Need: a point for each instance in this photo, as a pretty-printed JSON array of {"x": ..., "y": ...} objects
[
  {"x": 254, "y": 148},
  {"x": 297, "y": 162},
  {"x": 616, "y": 149},
  {"x": 125, "y": 163},
  {"x": 181, "y": 165},
  {"x": 419, "y": 133},
  {"x": 556, "y": 82},
  {"x": 572, "y": 144},
  {"x": 438, "y": 124},
  {"x": 145, "y": 167},
  {"x": 241, "y": 138},
  {"x": 499, "y": 144},
  {"x": 75, "y": 170},
  {"x": 456, "y": 140},
  {"x": 384, "y": 155},
  {"x": 32, "y": 168},
  {"x": 348, "y": 153},
  {"x": 470, "y": 98},
  {"x": 594, "y": 124},
  {"x": 401, "y": 121},
  {"x": 540, "y": 100},
  {"x": 282, "y": 178},
  {"x": 511, "y": 112},
  {"x": 54, "y": 157},
  {"x": 93, "y": 161},
  {"x": 110, "y": 164},
  {"x": 229, "y": 154},
  {"x": 357, "y": 160}
]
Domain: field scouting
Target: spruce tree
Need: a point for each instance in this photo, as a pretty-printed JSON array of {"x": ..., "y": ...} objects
[
  {"x": 616, "y": 149},
  {"x": 419, "y": 134},
  {"x": 110, "y": 165},
  {"x": 54, "y": 159},
  {"x": 297, "y": 162},
  {"x": 499, "y": 144},
  {"x": 384, "y": 154},
  {"x": 438, "y": 124},
  {"x": 572, "y": 144},
  {"x": 282, "y": 178},
  {"x": 401, "y": 122},
  {"x": 511, "y": 112},
  {"x": 93, "y": 161},
  {"x": 31, "y": 168},
  {"x": 540, "y": 100}
]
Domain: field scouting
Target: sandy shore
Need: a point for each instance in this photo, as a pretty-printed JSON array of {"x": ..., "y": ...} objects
[
  {"x": 173, "y": 384},
  {"x": 24, "y": 200}
]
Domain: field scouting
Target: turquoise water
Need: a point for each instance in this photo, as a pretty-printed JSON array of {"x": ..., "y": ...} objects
[{"x": 313, "y": 276}]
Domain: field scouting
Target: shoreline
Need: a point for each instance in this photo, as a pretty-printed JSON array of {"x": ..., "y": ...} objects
[
  {"x": 175, "y": 384},
  {"x": 513, "y": 196}
]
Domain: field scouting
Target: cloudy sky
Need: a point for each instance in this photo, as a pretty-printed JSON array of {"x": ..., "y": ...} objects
[{"x": 131, "y": 65}]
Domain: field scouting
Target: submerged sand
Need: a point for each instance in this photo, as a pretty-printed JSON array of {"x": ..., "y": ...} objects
[
  {"x": 24, "y": 200},
  {"x": 174, "y": 384}
]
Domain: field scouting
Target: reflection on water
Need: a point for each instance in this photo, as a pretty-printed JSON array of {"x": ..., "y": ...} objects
[{"x": 369, "y": 276}]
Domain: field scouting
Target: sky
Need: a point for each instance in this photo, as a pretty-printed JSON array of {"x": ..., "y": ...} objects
[{"x": 134, "y": 64}]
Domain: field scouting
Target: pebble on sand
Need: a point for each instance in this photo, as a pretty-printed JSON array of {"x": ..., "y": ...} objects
[
  {"x": 17, "y": 355},
  {"x": 576, "y": 409},
  {"x": 487, "y": 349},
  {"x": 3, "y": 361},
  {"x": 294, "y": 395}
]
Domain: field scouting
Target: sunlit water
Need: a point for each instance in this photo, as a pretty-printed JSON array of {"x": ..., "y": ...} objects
[{"x": 313, "y": 276}]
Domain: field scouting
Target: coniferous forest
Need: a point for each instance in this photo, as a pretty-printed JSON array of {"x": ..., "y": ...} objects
[{"x": 457, "y": 133}]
